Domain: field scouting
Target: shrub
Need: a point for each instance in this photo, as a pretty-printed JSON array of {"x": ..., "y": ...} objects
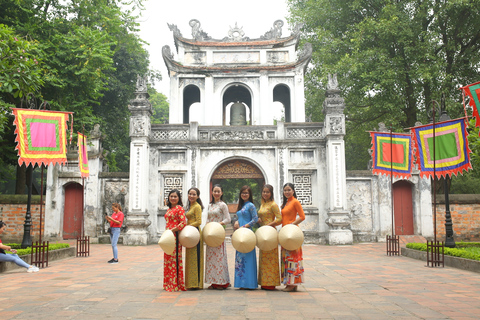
[
  {"x": 466, "y": 250},
  {"x": 51, "y": 247}
]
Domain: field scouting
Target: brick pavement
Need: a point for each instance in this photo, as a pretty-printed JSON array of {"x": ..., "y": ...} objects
[{"x": 342, "y": 282}]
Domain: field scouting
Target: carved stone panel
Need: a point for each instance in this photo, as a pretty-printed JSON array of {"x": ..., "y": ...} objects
[
  {"x": 172, "y": 181},
  {"x": 167, "y": 158},
  {"x": 277, "y": 56},
  {"x": 236, "y": 57},
  {"x": 237, "y": 169},
  {"x": 303, "y": 187},
  {"x": 195, "y": 57}
]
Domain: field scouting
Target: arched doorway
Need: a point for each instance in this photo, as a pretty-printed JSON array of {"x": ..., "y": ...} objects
[
  {"x": 281, "y": 93},
  {"x": 232, "y": 175},
  {"x": 403, "y": 208},
  {"x": 73, "y": 211},
  {"x": 237, "y": 93}
]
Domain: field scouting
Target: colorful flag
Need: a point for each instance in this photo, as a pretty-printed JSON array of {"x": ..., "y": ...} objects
[
  {"x": 473, "y": 91},
  {"x": 391, "y": 154},
  {"x": 452, "y": 154},
  {"x": 82, "y": 155},
  {"x": 40, "y": 136}
]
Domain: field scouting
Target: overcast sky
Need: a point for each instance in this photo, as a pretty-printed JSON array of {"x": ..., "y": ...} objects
[{"x": 216, "y": 17}]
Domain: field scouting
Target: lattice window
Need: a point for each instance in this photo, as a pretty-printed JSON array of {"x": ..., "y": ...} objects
[
  {"x": 304, "y": 133},
  {"x": 303, "y": 187},
  {"x": 170, "y": 182},
  {"x": 170, "y": 135}
]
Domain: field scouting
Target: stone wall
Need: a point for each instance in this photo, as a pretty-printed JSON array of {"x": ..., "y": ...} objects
[
  {"x": 12, "y": 212},
  {"x": 465, "y": 212}
]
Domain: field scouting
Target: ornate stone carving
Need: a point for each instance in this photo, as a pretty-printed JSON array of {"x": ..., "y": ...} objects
[
  {"x": 303, "y": 187},
  {"x": 141, "y": 83},
  {"x": 172, "y": 181},
  {"x": 237, "y": 169},
  {"x": 197, "y": 33},
  {"x": 332, "y": 83},
  {"x": 138, "y": 126},
  {"x": 194, "y": 165},
  {"x": 96, "y": 133},
  {"x": 297, "y": 28},
  {"x": 281, "y": 166},
  {"x": 336, "y": 125},
  {"x": 237, "y": 135},
  {"x": 179, "y": 134},
  {"x": 275, "y": 32},
  {"x": 174, "y": 29},
  {"x": 306, "y": 51},
  {"x": 167, "y": 52},
  {"x": 382, "y": 127},
  {"x": 236, "y": 34},
  {"x": 304, "y": 133},
  {"x": 338, "y": 221}
]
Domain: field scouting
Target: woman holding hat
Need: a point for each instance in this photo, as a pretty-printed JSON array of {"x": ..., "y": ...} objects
[
  {"x": 172, "y": 265},
  {"x": 246, "y": 263},
  {"x": 269, "y": 215},
  {"x": 216, "y": 262},
  {"x": 292, "y": 261},
  {"x": 194, "y": 256}
]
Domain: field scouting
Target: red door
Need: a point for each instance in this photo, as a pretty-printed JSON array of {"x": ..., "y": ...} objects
[
  {"x": 403, "y": 208},
  {"x": 73, "y": 211}
]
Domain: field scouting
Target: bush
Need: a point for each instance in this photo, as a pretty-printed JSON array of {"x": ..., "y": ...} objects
[
  {"x": 51, "y": 247},
  {"x": 466, "y": 250}
]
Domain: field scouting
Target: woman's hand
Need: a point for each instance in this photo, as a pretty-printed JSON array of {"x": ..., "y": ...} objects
[
  {"x": 236, "y": 225},
  {"x": 174, "y": 229}
]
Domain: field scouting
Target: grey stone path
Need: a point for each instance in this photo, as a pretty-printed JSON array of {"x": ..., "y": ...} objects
[{"x": 342, "y": 282}]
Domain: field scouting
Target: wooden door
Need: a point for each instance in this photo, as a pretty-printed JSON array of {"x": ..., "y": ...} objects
[
  {"x": 73, "y": 211},
  {"x": 403, "y": 208}
]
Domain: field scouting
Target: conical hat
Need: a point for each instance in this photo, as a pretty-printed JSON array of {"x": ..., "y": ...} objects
[
  {"x": 167, "y": 242},
  {"x": 267, "y": 238},
  {"x": 189, "y": 237},
  {"x": 213, "y": 234},
  {"x": 243, "y": 240},
  {"x": 291, "y": 237}
]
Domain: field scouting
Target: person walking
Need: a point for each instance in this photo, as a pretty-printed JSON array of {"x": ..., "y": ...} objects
[
  {"x": 13, "y": 257},
  {"x": 194, "y": 256},
  {"x": 292, "y": 261},
  {"x": 246, "y": 263},
  {"x": 268, "y": 266},
  {"x": 116, "y": 221},
  {"x": 216, "y": 261}
]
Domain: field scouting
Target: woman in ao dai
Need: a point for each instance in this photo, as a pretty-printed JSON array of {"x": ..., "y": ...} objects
[
  {"x": 216, "y": 262},
  {"x": 194, "y": 256},
  {"x": 292, "y": 261},
  {"x": 268, "y": 267},
  {"x": 172, "y": 265},
  {"x": 246, "y": 263}
]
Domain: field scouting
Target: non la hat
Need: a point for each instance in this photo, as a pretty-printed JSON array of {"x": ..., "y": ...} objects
[
  {"x": 267, "y": 238},
  {"x": 167, "y": 242},
  {"x": 213, "y": 234},
  {"x": 291, "y": 237},
  {"x": 189, "y": 237},
  {"x": 243, "y": 240}
]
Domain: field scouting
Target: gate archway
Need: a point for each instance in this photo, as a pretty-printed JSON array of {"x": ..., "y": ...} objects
[{"x": 241, "y": 170}]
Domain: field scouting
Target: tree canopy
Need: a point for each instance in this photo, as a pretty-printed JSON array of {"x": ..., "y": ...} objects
[
  {"x": 80, "y": 56},
  {"x": 392, "y": 58}
]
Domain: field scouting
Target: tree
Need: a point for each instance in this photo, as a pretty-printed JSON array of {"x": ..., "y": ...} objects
[
  {"x": 160, "y": 107},
  {"x": 392, "y": 59},
  {"x": 92, "y": 60}
]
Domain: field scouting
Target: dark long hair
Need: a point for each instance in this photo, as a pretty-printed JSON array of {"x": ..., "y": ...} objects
[
  {"x": 199, "y": 201},
  {"x": 117, "y": 205},
  {"x": 221, "y": 197},
  {"x": 2, "y": 224},
  {"x": 288, "y": 184},
  {"x": 179, "y": 198},
  {"x": 270, "y": 188},
  {"x": 240, "y": 200}
]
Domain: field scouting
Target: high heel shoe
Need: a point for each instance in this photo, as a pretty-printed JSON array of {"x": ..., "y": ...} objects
[{"x": 289, "y": 289}]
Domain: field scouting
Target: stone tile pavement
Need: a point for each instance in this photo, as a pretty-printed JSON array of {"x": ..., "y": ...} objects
[{"x": 342, "y": 282}]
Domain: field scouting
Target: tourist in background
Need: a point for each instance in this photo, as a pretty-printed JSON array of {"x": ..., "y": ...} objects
[
  {"x": 216, "y": 262},
  {"x": 13, "y": 257},
  {"x": 172, "y": 264},
  {"x": 268, "y": 267},
  {"x": 292, "y": 261},
  {"x": 246, "y": 263},
  {"x": 194, "y": 256},
  {"x": 116, "y": 221}
]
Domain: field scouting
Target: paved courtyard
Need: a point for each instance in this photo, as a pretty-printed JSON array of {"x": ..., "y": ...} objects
[{"x": 342, "y": 282}]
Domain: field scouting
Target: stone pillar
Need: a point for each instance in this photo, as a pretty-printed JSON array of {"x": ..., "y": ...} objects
[
  {"x": 137, "y": 218},
  {"x": 339, "y": 220}
]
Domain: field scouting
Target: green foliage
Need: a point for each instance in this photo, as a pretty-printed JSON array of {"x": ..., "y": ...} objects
[
  {"x": 231, "y": 190},
  {"x": 160, "y": 107},
  {"x": 51, "y": 247},
  {"x": 464, "y": 250},
  {"x": 88, "y": 58},
  {"x": 392, "y": 59}
]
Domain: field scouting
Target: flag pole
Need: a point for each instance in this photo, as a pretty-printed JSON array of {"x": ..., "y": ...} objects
[{"x": 391, "y": 179}]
